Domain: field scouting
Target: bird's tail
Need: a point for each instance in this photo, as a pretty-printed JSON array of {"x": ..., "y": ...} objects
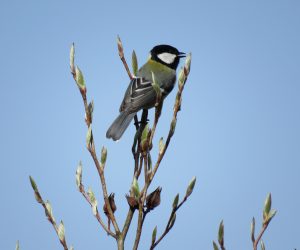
[{"x": 120, "y": 124}]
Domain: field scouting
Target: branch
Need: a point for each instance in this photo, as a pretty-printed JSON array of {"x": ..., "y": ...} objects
[
  {"x": 91, "y": 201},
  {"x": 268, "y": 215},
  {"x": 121, "y": 54},
  {"x": 79, "y": 79},
  {"x": 172, "y": 217},
  {"x": 60, "y": 229}
]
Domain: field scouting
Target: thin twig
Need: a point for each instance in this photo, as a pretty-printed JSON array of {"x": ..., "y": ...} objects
[
  {"x": 97, "y": 215},
  {"x": 263, "y": 229},
  {"x": 168, "y": 227},
  {"x": 48, "y": 214},
  {"x": 99, "y": 168}
]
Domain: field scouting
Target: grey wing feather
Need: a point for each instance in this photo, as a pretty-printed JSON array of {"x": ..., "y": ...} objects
[{"x": 139, "y": 94}]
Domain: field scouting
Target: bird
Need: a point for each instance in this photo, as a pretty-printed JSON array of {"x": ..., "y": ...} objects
[{"x": 162, "y": 62}]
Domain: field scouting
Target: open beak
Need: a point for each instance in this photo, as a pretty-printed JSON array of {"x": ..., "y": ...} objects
[{"x": 181, "y": 54}]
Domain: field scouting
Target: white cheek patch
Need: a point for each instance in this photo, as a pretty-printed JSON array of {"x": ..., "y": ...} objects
[{"x": 167, "y": 57}]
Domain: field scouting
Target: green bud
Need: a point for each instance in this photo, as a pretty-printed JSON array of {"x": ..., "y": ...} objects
[
  {"x": 134, "y": 63},
  {"x": 215, "y": 246},
  {"x": 72, "y": 54},
  {"x": 272, "y": 213},
  {"x": 253, "y": 230},
  {"x": 187, "y": 65},
  {"x": 92, "y": 197},
  {"x": 49, "y": 210},
  {"x": 33, "y": 184},
  {"x": 144, "y": 137},
  {"x": 79, "y": 175},
  {"x": 89, "y": 137},
  {"x": 221, "y": 234},
  {"x": 17, "y": 245},
  {"x": 161, "y": 145},
  {"x": 94, "y": 209},
  {"x": 71, "y": 248},
  {"x": 262, "y": 245},
  {"x": 156, "y": 88},
  {"x": 267, "y": 206},
  {"x": 154, "y": 235},
  {"x": 103, "y": 155},
  {"x": 38, "y": 197},
  {"x": 190, "y": 187},
  {"x": 79, "y": 78},
  {"x": 173, "y": 126},
  {"x": 181, "y": 78},
  {"x": 175, "y": 202},
  {"x": 61, "y": 231},
  {"x": 172, "y": 221},
  {"x": 135, "y": 188}
]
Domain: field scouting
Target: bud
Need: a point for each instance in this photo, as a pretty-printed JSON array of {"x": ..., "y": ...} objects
[
  {"x": 215, "y": 246},
  {"x": 92, "y": 197},
  {"x": 134, "y": 63},
  {"x": 79, "y": 175},
  {"x": 38, "y": 197},
  {"x": 135, "y": 188},
  {"x": 153, "y": 199},
  {"x": 187, "y": 65},
  {"x": 262, "y": 245},
  {"x": 72, "y": 54},
  {"x": 175, "y": 202},
  {"x": 61, "y": 231},
  {"x": 253, "y": 229},
  {"x": 48, "y": 211},
  {"x": 173, "y": 126},
  {"x": 120, "y": 47},
  {"x": 33, "y": 184},
  {"x": 154, "y": 232},
  {"x": 221, "y": 234},
  {"x": 91, "y": 110},
  {"x": 71, "y": 248},
  {"x": 79, "y": 79},
  {"x": 181, "y": 78},
  {"x": 267, "y": 207},
  {"x": 89, "y": 137},
  {"x": 271, "y": 214},
  {"x": 172, "y": 222},
  {"x": 190, "y": 187},
  {"x": 132, "y": 202},
  {"x": 161, "y": 145},
  {"x": 17, "y": 245},
  {"x": 111, "y": 200},
  {"x": 156, "y": 88},
  {"x": 103, "y": 156},
  {"x": 144, "y": 138}
]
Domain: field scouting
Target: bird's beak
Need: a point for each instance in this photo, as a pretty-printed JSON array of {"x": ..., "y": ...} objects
[{"x": 181, "y": 54}]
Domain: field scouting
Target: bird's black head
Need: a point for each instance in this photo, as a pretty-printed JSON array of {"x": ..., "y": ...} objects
[{"x": 166, "y": 55}]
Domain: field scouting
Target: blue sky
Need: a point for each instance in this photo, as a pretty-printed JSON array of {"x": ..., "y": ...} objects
[{"x": 238, "y": 130}]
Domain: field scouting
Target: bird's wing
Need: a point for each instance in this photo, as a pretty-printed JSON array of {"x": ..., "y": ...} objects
[{"x": 140, "y": 94}]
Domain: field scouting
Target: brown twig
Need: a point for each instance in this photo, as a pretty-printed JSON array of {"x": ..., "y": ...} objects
[
  {"x": 91, "y": 146},
  {"x": 169, "y": 225},
  {"x": 122, "y": 57},
  {"x": 97, "y": 215},
  {"x": 49, "y": 214}
]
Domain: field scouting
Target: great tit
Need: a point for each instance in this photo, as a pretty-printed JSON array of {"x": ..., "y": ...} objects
[{"x": 140, "y": 94}]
